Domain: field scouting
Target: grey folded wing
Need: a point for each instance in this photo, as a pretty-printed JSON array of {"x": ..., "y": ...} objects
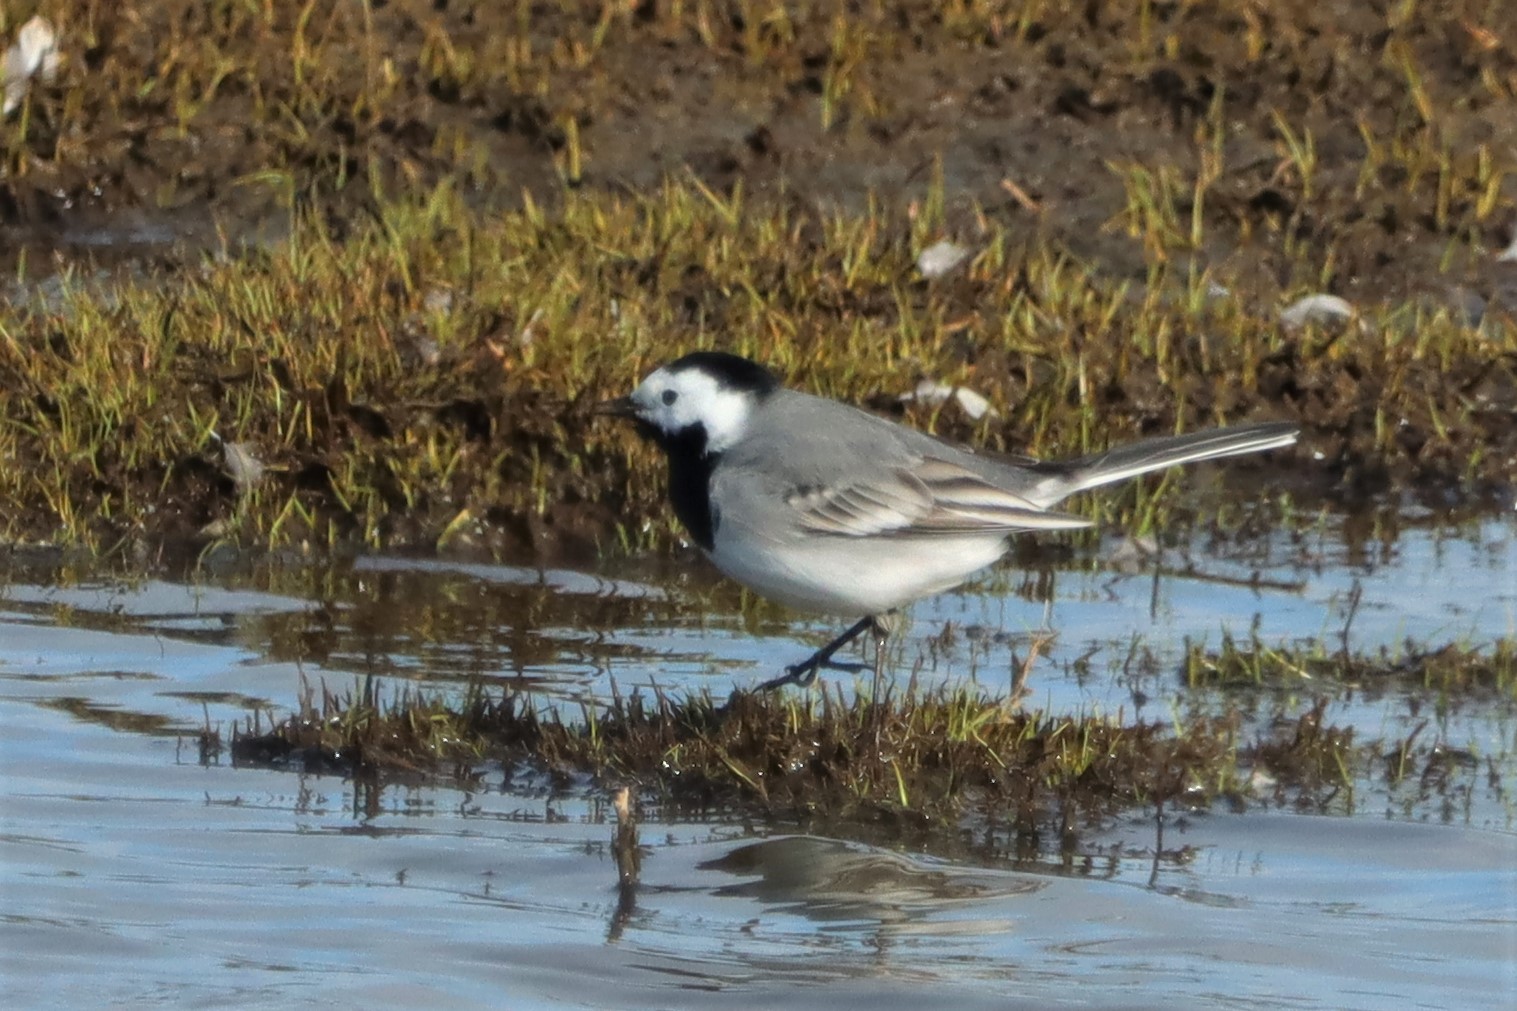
[{"x": 930, "y": 497}]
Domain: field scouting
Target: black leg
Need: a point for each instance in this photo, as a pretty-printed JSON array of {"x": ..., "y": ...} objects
[
  {"x": 881, "y": 633},
  {"x": 876, "y": 702},
  {"x": 803, "y": 673}
]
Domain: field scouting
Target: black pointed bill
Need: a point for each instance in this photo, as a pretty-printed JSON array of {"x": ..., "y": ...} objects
[{"x": 621, "y": 407}]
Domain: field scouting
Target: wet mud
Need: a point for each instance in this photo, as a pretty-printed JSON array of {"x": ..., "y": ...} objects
[
  {"x": 1359, "y": 134},
  {"x": 1139, "y": 191}
]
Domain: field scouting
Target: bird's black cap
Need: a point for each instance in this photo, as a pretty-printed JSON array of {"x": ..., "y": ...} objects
[{"x": 733, "y": 371}]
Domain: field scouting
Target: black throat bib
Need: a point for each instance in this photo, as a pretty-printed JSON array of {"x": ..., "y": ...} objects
[{"x": 690, "y": 468}]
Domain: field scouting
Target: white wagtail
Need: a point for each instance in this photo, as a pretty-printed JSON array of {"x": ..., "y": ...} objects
[{"x": 824, "y": 507}]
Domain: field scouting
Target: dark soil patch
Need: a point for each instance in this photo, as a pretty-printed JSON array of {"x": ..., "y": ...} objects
[
  {"x": 424, "y": 379},
  {"x": 1031, "y": 114}
]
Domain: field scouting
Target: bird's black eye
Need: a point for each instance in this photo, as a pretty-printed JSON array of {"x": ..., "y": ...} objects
[{"x": 670, "y": 396}]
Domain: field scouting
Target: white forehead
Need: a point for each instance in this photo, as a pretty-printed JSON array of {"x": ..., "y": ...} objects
[{"x": 699, "y": 399}]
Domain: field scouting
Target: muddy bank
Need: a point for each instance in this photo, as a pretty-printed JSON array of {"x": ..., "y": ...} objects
[
  {"x": 1366, "y": 150},
  {"x": 430, "y": 383},
  {"x": 486, "y": 238}
]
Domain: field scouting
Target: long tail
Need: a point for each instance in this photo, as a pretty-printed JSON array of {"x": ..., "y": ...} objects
[{"x": 1122, "y": 462}]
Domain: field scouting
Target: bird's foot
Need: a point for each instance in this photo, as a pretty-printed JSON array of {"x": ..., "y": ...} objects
[
  {"x": 803, "y": 674},
  {"x": 800, "y": 675}
]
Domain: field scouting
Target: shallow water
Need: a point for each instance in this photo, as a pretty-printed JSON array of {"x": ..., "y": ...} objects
[{"x": 131, "y": 873}]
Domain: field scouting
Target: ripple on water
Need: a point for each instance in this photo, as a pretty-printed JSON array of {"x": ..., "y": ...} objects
[{"x": 131, "y": 873}]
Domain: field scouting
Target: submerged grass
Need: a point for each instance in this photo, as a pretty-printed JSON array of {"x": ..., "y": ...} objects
[
  {"x": 1452, "y": 669},
  {"x": 927, "y": 757},
  {"x": 928, "y": 761}
]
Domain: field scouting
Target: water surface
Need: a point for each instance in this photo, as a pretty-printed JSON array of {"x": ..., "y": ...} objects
[{"x": 131, "y": 873}]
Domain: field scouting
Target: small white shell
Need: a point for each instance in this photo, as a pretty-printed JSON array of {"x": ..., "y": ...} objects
[
  {"x": 940, "y": 257},
  {"x": 1508, "y": 255},
  {"x": 241, "y": 463},
  {"x": 1261, "y": 782},
  {"x": 1316, "y": 309},
  {"x": 34, "y": 53},
  {"x": 934, "y": 393}
]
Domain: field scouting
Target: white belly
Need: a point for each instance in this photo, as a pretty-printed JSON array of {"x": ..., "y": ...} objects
[{"x": 852, "y": 576}]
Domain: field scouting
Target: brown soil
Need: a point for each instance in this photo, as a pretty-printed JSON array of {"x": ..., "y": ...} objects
[
  {"x": 179, "y": 106},
  {"x": 197, "y": 121}
]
